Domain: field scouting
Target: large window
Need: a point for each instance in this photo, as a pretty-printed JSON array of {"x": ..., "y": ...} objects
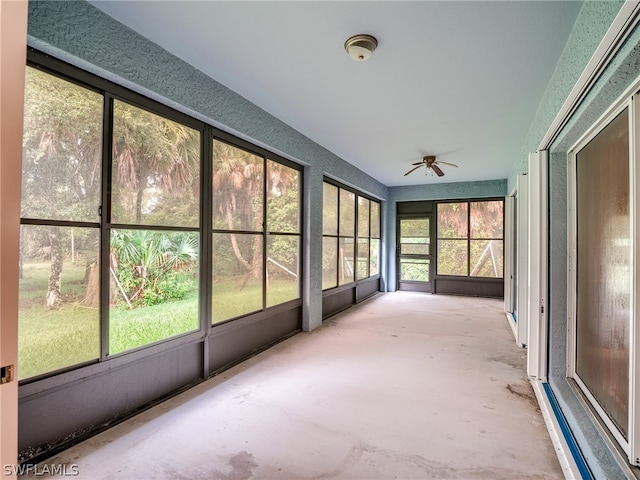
[
  {"x": 154, "y": 228},
  {"x": 351, "y": 236},
  {"x": 603, "y": 277},
  {"x": 59, "y": 322},
  {"x": 112, "y": 256},
  {"x": 470, "y": 238},
  {"x": 256, "y": 232}
]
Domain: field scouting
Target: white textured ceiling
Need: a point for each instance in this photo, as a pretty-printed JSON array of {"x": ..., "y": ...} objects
[{"x": 460, "y": 80}]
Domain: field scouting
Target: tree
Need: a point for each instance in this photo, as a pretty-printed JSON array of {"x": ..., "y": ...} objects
[
  {"x": 238, "y": 196},
  {"x": 155, "y": 158},
  {"x": 61, "y": 162},
  {"x": 156, "y": 166},
  {"x": 238, "y": 200}
]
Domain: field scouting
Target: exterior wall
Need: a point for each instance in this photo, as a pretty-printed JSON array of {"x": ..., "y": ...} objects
[
  {"x": 13, "y": 35},
  {"x": 621, "y": 72},
  {"x": 437, "y": 191},
  {"x": 592, "y": 23}
]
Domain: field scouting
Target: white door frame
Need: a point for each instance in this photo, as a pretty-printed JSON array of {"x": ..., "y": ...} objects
[
  {"x": 522, "y": 313},
  {"x": 509, "y": 264},
  {"x": 537, "y": 262}
]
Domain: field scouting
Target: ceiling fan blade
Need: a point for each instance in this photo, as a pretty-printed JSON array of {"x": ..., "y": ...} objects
[
  {"x": 436, "y": 169},
  {"x": 418, "y": 163},
  {"x": 446, "y": 163},
  {"x": 414, "y": 168}
]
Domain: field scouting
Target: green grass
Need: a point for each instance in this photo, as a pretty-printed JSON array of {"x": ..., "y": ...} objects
[
  {"x": 50, "y": 340},
  {"x": 230, "y": 301},
  {"x": 131, "y": 328}
]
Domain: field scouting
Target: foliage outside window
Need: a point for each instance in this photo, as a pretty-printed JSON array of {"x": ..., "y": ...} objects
[
  {"x": 61, "y": 185},
  {"x": 351, "y": 236},
  {"x": 256, "y": 232},
  {"x": 106, "y": 271},
  {"x": 470, "y": 238},
  {"x": 374, "y": 240},
  {"x": 155, "y": 167},
  {"x": 154, "y": 267},
  {"x": 415, "y": 249}
]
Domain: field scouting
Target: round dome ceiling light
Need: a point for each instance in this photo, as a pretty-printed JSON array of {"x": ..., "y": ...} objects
[{"x": 360, "y": 47}]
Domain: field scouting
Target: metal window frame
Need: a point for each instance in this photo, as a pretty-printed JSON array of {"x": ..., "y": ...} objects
[
  {"x": 468, "y": 238},
  {"x": 111, "y": 92},
  {"x": 338, "y": 236}
]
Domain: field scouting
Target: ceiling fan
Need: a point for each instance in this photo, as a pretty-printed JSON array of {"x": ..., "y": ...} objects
[{"x": 430, "y": 162}]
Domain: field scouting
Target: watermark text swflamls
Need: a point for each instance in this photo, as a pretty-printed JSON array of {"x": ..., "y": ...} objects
[{"x": 42, "y": 470}]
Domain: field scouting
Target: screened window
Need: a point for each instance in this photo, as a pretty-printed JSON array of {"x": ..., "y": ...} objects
[
  {"x": 111, "y": 252},
  {"x": 351, "y": 236},
  {"x": 470, "y": 238},
  {"x": 256, "y": 232},
  {"x": 154, "y": 238},
  {"x": 59, "y": 322}
]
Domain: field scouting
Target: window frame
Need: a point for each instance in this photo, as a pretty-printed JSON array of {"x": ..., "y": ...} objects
[
  {"x": 468, "y": 239},
  {"x": 265, "y": 232},
  {"x": 110, "y": 93},
  {"x": 337, "y": 236},
  {"x": 631, "y": 445}
]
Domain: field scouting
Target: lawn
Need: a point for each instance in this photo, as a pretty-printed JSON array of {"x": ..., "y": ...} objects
[{"x": 50, "y": 340}]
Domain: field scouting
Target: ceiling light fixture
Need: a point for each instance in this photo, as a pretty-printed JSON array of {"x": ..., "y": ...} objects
[{"x": 360, "y": 47}]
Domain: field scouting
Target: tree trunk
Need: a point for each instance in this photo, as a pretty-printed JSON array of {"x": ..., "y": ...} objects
[
  {"x": 92, "y": 279},
  {"x": 234, "y": 240},
  {"x": 139, "y": 195},
  {"x": 73, "y": 248},
  {"x": 258, "y": 254},
  {"x": 54, "y": 287}
]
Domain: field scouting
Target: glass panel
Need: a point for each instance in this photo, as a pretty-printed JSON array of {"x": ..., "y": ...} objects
[
  {"x": 486, "y": 219},
  {"x": 237, "y": 189},
  {"x": 345, "y": 268},
  {"x": 452, "y": 257},
  {"x": 156, "y": 169},
  {"x": 329, "y": 262},
  {"x": 154, "y": 287},
  {"x": 283, "y": 198},
  {"x": 282, "y": 269},
  {"x": 414, "y": 248},
  {"x": 414, "y": 269},
  {"x": 329, "y": 209},
  {"x": 414, "y": 236},
  {"x": 363, "y": 258},
  {"x": 347, "y": 213},
  {"x": 62, "y": 150},
  {"x": 363, "y": 217},
  {"x": 58, "y": 315},
  {"x": 237, "y": 275},
  {"x": 486, "y": 258},
  {"x": 374, "y": 257},
  {"x": 452, "y": 220},
  {"x": 375, "y": 220},
  {"x": 604, "y": 274}
]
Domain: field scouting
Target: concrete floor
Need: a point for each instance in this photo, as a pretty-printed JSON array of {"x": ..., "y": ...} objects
[{"x": 404, "y": 385}]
